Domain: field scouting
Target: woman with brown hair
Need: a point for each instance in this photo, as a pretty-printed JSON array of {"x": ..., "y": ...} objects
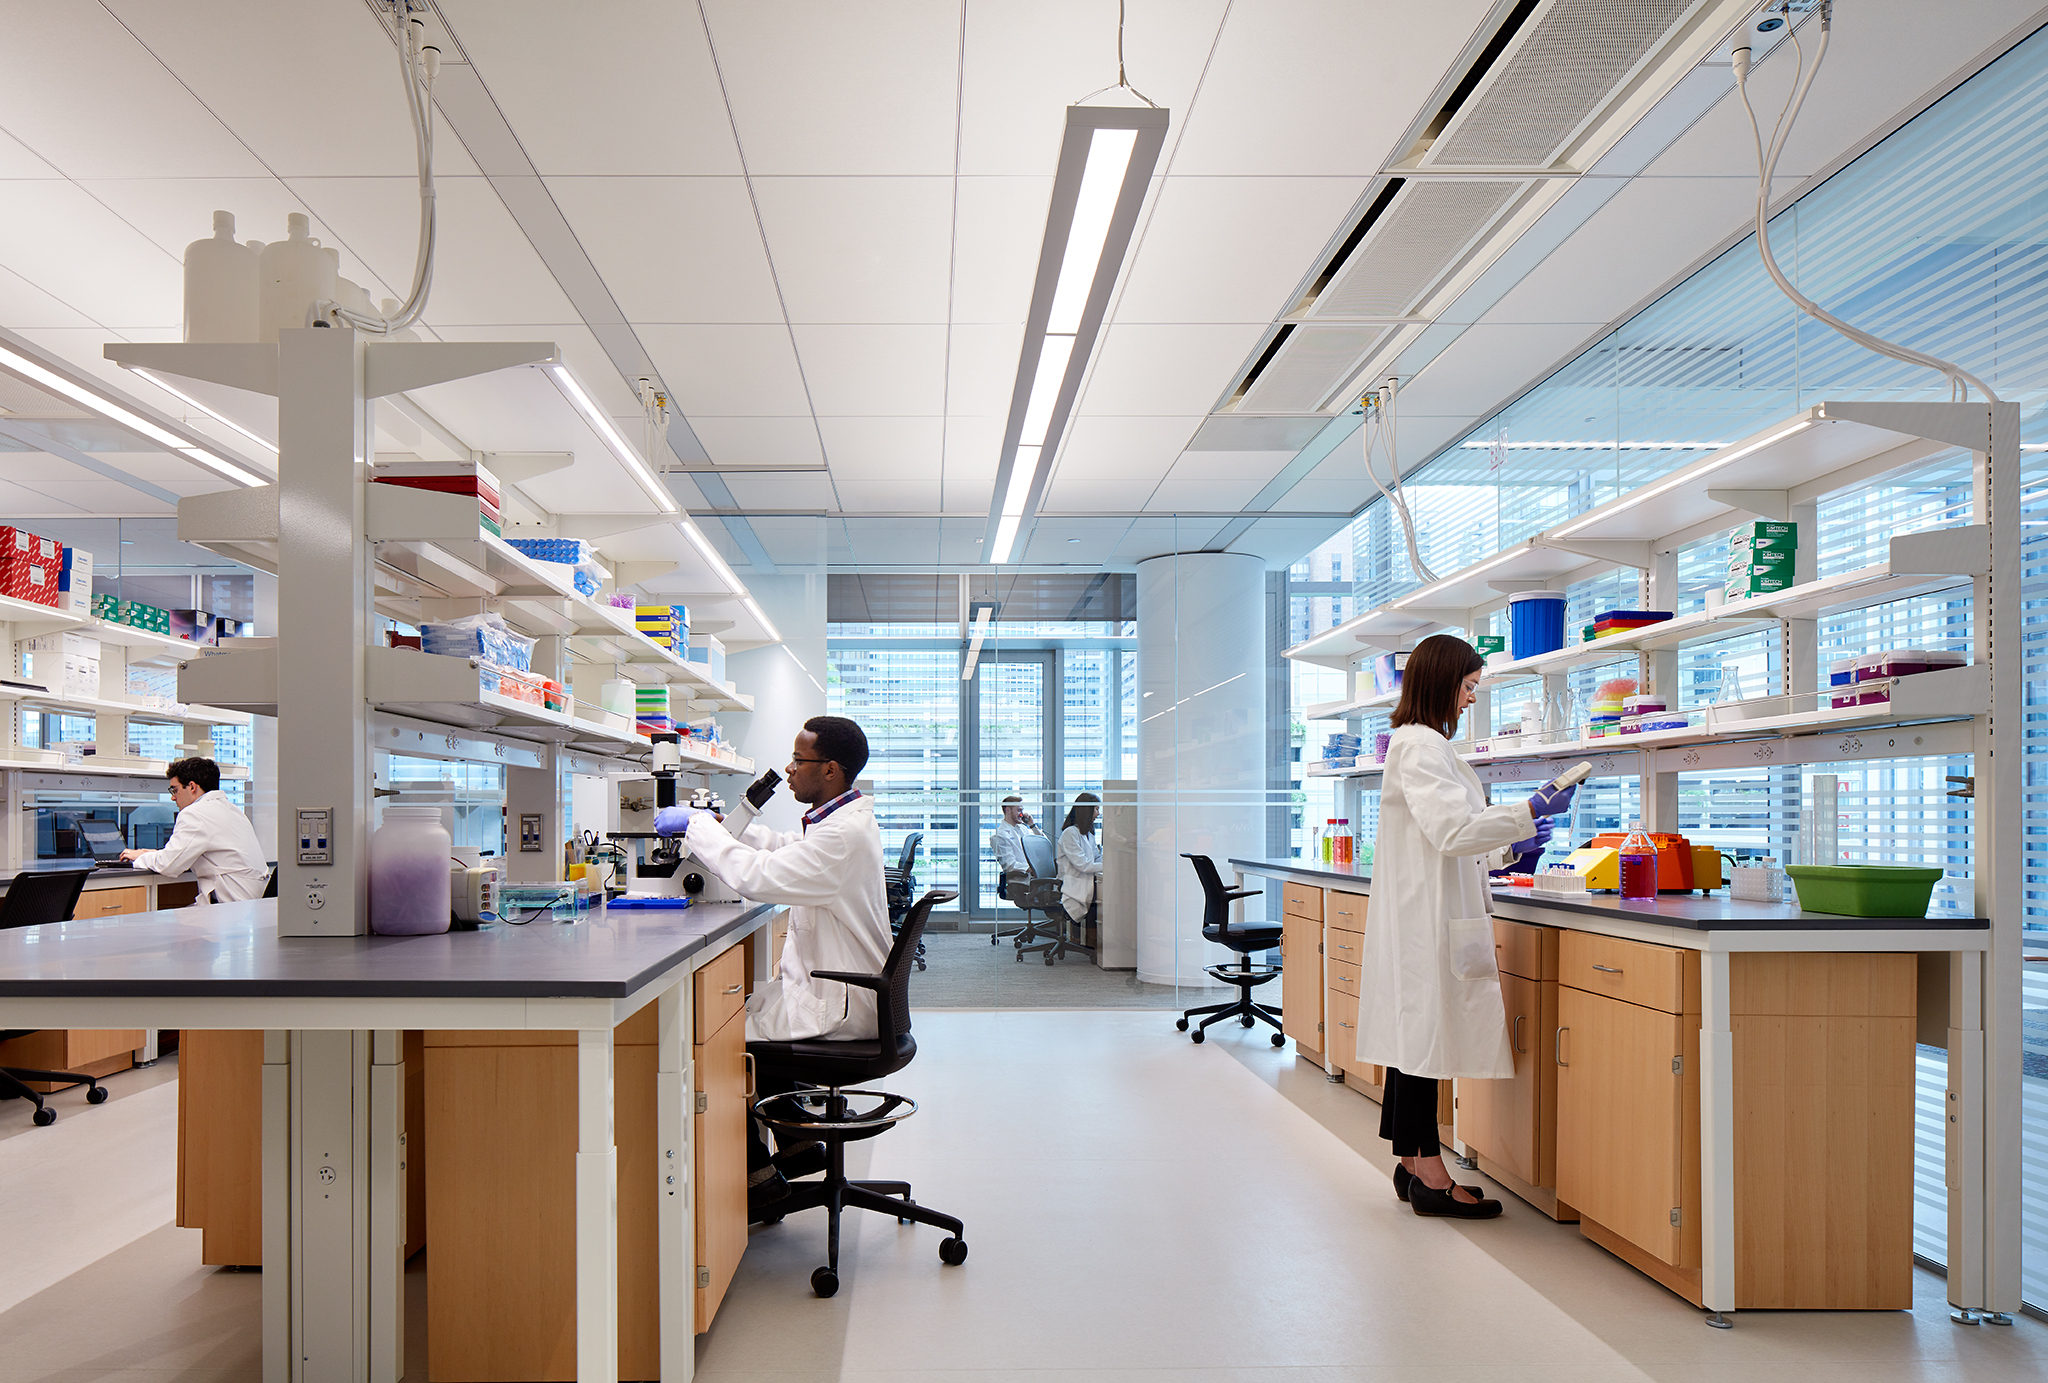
[{"x": 1430, "y": 1004}]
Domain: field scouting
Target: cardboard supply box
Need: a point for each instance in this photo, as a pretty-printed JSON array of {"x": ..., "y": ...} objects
[
  {"x": 1743, "y": 585},
  {"x": 74, "y": 584},
  {"x": 19, "y": 540},
  {"x": 1767, "y": 533},
  {"x": 77, "y": 645},
  {"x": 708, "y": 650},
  {"x": 80, "y": 677},
  {"x": 23, "y": 577},
  {"x": 1761, "y": 559}
]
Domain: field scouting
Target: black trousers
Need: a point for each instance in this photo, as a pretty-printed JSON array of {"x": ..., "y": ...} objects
[
  {"x": 1408, "y": 1115},
  {"x": 762, "y": 1146}
]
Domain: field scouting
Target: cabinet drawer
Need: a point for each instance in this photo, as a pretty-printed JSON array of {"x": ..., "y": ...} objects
[
  {"x": 1660, "y": 977},
  {"x": 108, "y": 902},
  {"x": 1346, "y": 910},
  {"x": 1340, "y": 945},
  {"x": 1344, "y": 977},
  {"x": 1301, "y": 982},
  {"x": 1340, "y": 1026},
  {"x": 1299, "y": 900},
  {"x": 1519, "y": 948},
  {"x": 720, "y": 992}
]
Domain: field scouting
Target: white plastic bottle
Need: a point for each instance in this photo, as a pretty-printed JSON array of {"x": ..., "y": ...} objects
[
  {"x": 294, "y": 274},
  {"x": 221, "y": 297},
  {"x": 410, "y": 858}
]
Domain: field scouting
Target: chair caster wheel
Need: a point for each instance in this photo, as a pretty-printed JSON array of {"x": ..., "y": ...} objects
[
  {"x": 96, "y": 1095},
  {"x": 1181, "y": 1023},
  {"x": 43, "y": 1118},
  {"x": 953, "y": 1252},
  {"x": 1198, "y": 1035},
  {"x": 769, "y": 1220},
  {"x": 824, "y": 1282},
  {"x": 1048, "y": 960},
  {"x": 1020, "y": 953},
  {"x": 1278, "y": 1040},
  {"x": 1244, "y": 1021}
]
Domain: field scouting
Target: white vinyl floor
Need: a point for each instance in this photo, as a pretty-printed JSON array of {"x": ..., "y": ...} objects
[{"x": 1139, "y": 1210}]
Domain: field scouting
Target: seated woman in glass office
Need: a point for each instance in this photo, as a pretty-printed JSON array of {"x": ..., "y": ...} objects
[{"x": 1081, "y": 862}]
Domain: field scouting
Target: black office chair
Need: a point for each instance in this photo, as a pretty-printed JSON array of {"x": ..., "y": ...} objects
[
  {"x": 823, "y": 1111},
  {"x": 270, "y": 885},
  {"x": 1216, "y": 901},
  {"x": 1037, "y": 896},
  {"x": 33, "y": 899},
  {"x": 900, "y": 883}
]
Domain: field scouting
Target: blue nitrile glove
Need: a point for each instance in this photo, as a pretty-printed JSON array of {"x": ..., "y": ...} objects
[
  {"x": 1534, "y": 844},
  {"x": 674, "y": 821},
  {"x": 1548, "y": 802}
]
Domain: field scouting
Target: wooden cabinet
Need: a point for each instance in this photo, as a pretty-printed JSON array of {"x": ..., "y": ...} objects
[
  {"x": 1340, "y": 1020},
  {"x": 1511, "y": 1125},
  {"x": 88, "y": 1051},
  {"x": 1301, "y": 900},
  {"x": 1345, "y": 911},
  {"x": 1301, "y": 984},
  {"x": 719, "y": 1145},
  {"x": 111, "y": 902}
]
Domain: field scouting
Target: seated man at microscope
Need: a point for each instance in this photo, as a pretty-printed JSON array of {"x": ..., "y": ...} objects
[{"x": 829, "y": 875}]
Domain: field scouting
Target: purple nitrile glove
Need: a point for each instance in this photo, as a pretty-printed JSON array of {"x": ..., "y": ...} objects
[
  {"x": 674, "y": 821},
  {"x": 1547, "y": 801},
  {"x": 1534, "y": 844}
]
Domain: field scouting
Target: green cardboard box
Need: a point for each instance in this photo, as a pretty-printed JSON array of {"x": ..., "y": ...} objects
[
  {"x": 1743, "y": 585},
  {"x": 1490, "y": 643},
  {"x": 1761, "y": 559},
  {"x": 1743, "y": 542},
  {"x": 1770, "y": 529}
]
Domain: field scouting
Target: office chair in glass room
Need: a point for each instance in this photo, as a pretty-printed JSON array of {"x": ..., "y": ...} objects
[
  {"x": 31, "y": 900},
  {"x": 900, "y": 882},
  {"x": 1037, "y": 896},
  {"x": 1244, "y": 939},
  {"x": 823, "y": 1108}
]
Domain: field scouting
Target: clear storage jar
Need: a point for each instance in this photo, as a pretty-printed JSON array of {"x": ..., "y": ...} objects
[{"x": 411, "y": 855}]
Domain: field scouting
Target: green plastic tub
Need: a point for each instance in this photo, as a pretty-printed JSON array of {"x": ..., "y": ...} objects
[{"x": 1865, "y": 890}]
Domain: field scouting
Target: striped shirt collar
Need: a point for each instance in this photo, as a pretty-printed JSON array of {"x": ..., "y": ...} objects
[{"x": 825, "y": 809}]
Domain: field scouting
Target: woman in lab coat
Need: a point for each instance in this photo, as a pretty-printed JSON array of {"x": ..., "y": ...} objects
[
  {"x": 1430, "y": 1004},
  {"x": 1080, "y": 861}
]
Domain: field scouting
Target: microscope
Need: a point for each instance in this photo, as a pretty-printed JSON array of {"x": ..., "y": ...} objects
[{"x": 661, "y": 865}]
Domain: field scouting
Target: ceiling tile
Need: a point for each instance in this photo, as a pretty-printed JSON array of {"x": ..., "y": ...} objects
[
  {"x": 1110, "y": 448},
  {"x": 1231, "y": 249},
  {"x": 485, "y": 270},
  {"x": 1202, "y": 496},
  {"x": 1229, "y": 465},
  {"x": 1027, "y": 63},
  {"x": 580, "y": 350},
  {"x": 983, "y": 370},
  {"x": 174, "y": 212},
  {"x": 71, "y": 247},
  {"x": 1484, "y": 366},
  {"x": 25, "y": 307},
  {"x": 100, "y": 496},
  {"x": 818, "y": 86},
  {"x": 728, "y": 371},
  {"x": 1289, "y": 92},
  {"x": 1141, "y": 369},
  {"x": 638, "y": 230},
  {"x": 21, "y": 501},
  {"x": 1086, "y": 494},
  {"x": 642, "y": 66},
  {"x": 17, "y": 160},
  {"x": 859, "y": 249},
  {"x": 863, "y": 449},
  {"x": 874, "y": 371},
  {"x": 312, "y": 88},
  {"x": 760, "y": 441},
  {"x": 889, "y": 496},
  {"x": 785, "y": 491},
  {"x": 974, "y": 448},
  {"x": 998, "y": 234}
]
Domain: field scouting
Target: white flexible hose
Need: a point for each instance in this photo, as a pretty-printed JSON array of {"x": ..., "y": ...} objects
[
  {"x": 419, "y": 101},
  {"x": 1383, "y": 404},
  {"x": 1960, "y": 380}
]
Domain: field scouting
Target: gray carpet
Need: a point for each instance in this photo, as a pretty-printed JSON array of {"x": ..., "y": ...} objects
[{"x": 966, "y": 972}]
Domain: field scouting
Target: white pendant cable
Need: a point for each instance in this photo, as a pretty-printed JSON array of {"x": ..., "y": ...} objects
[
  {"x": 419, "y": 66},
  {"x": 1961, "y": 381},
  {"x": 1380, "y": 406}
]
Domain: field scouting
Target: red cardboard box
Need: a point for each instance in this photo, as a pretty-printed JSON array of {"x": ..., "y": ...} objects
[
  {"x": 20, "y": 541},
  {"x": 27, "y": 578}
]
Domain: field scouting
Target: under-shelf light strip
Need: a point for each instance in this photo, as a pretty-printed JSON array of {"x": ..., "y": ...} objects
[
  {"x": 613, "y": 440},
  {"x": 44, "y": 377},
  {"x": 1684, "y": 477},
  {"x": 223, "y": 419},
  {"x": 974, "y": 647}
]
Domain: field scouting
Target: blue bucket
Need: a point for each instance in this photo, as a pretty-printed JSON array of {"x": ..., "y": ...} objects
[{"x": 1535, "y": 623}]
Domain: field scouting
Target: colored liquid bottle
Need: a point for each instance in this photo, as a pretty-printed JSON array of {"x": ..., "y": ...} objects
[
  {"x": 1638, "y": 864},
  {"x": 1343, "y": 841}
]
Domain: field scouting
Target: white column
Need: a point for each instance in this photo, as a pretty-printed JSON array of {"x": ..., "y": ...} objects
[
  {"x": 597, "y": 1212},
  {"x": 675, "y": 1197},
  {"x": 1201, "y": 744},
  {"x": 1717, "y": 1136},
  {"x": 787, "y": 681}
]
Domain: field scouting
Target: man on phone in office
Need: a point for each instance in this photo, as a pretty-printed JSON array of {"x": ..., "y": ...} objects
[
  {"x": 212, "y": 838},
  {"x": 1007, "y": 841}
]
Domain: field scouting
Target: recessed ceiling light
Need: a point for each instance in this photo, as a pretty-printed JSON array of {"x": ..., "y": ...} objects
[{"x": 1073, "y": 540}]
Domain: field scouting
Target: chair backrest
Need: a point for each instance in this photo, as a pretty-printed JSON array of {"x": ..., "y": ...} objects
[
  {"x": 907, "y": 861},
  {"x": 1042, "y": 856},
  {"x": 892, "y": 1004},
  {"x": 270, "y": 887},
  {"x": 1215, "y": 902},
  {"x": 33, "y": 899}
]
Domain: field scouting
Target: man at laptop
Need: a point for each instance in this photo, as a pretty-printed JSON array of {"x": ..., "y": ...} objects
[{"x": 212, "y": 838}]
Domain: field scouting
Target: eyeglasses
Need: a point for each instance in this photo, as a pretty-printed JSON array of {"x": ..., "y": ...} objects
[{"x": 795, "y": 760}]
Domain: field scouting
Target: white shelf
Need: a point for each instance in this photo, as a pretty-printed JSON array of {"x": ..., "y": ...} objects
[
  {"x": 1951, "y": 694},
  {"x": 123, "y": 768},
  {"x": 96, "y": 706},
  {"x": 30, "y": 619},
  {"x": 1344, "y": 710}
]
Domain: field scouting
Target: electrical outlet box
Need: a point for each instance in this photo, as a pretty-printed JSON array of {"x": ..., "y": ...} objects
[
  {"x": 316, "y": 835},
  {"x": 529, "y": 833}
]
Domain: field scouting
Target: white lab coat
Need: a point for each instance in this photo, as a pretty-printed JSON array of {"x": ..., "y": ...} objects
[
  {"x": 1080, "y": 867},
  {"x": 830, "y": 877},
  {"x": 218, "y": 845},
  {"x": 1007, "y": 840},
  {"x": 1429, "y": 999}
]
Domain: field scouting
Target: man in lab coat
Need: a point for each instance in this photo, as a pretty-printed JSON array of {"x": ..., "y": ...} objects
[
  {"x": 1007, "y": 840},
  {"x": 212, "y": 838},
  {"x": 829, "y": 874}
]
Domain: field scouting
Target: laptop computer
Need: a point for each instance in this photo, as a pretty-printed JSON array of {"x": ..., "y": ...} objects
[{"x": 104, "y": 839}]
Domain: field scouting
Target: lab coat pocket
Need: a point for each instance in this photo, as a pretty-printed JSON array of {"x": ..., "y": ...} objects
[{"x": 1472, "y": 948}]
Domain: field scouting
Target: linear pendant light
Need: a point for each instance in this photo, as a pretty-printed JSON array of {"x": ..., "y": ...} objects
[
  {"x": 608, "y": 433},
  {"x": 1106, "y": 162}
]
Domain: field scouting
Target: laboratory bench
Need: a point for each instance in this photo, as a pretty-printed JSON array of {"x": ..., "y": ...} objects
[
  {"x": 559, "y": 1108},
  {"x": 1719, "y": 1092}
]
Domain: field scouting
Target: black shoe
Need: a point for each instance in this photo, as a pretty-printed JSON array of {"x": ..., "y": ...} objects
[
  {"x": 1427, "y": 1200},
  {"x": 764, "y": 1188},
  {"x": 807, "y": 1160},
  {"x": 1403, "y": 1177}
]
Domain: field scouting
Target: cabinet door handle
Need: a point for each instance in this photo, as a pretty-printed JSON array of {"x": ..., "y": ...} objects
[
  {"x": 1520, "y": 1019},
  {"x": 733, "y": 990},
  {"x": 1608, "y": 969},
  {"x": 1557, "y": 1046},
  {"x": 748, "y": 1058}
]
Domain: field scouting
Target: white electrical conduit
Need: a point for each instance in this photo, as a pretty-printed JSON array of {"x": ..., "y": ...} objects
[
  {"x": 419, "y": 66},
  {"x": 1382, "y": 404},
  {"x": 1961, "y": 381}
]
